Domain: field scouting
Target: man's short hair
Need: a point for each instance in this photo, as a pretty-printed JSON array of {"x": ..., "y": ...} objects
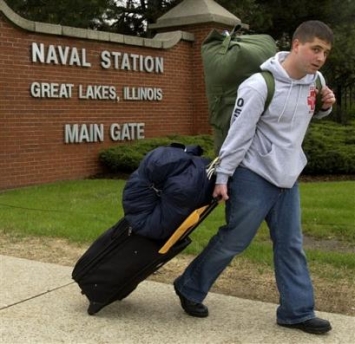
[{"x": 309, "y": 30}]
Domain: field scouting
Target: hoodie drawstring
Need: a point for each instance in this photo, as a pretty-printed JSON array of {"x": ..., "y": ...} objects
[
  {"x": 288, "y": 96},
  {"x": 284, "y": 108},
  {"x": 298, "y": 99}
]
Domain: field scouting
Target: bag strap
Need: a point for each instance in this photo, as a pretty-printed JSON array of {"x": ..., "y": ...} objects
[
  {"x": 270, "y": 85},
  {"x": 227, "y": 40},
  {"x": 225, "y": 45},
  {"x": 319, "y": 94}
]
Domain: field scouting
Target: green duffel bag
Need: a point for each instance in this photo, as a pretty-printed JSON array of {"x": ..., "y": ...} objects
[{"x": 227, "y": 61}]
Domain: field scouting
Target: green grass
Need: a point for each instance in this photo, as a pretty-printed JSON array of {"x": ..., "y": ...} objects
[
  {"x": 81, "y": 210},
  {"x": 76, "y": 210},
  {"x": 329, "y": 210}
]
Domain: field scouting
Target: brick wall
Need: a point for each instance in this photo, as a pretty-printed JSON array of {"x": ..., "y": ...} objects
[{"x": 33, "y": 150}]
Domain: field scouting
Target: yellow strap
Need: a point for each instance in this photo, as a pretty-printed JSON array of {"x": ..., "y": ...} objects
[{"x": 190, "y": 221}]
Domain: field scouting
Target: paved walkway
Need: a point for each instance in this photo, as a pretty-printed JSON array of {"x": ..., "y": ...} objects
[{"x": 41, "y": 304}]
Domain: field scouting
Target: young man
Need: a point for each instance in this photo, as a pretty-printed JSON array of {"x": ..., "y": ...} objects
[{"x": 260, "y": 161}]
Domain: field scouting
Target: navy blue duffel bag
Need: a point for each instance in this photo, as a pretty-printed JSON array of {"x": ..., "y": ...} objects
[{"x": 168, "y": 185}]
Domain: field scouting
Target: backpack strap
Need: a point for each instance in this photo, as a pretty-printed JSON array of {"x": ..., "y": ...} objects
[
  {"x": 270, "y": 85},
  {"x": 319, "y": 86}
]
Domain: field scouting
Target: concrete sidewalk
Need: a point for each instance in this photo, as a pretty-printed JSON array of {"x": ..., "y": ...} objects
[{"x": 41, "y": 304}]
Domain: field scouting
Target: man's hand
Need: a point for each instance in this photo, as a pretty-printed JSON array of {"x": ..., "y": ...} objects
[
  {"x": 220, "y": 192},
  {"x": 328, "y": 98}
]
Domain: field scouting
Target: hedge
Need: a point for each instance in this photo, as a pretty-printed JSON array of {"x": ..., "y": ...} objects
[
  {"x": 126, "y": 157},
  {"x": 329, "y": 147}
]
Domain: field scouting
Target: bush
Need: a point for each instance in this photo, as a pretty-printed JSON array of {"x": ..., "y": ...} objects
[
  {"x": 127, "y": 157},
  {"x": 329, "y": 147}
]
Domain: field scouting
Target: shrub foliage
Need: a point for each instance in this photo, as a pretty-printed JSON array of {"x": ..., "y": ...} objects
[
  {"x": 126, "y": 157},
  {"x": 329, "y": 147}
]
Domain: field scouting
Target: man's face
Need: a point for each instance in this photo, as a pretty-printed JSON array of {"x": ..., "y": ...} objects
[{"x": 311, "y": 56}]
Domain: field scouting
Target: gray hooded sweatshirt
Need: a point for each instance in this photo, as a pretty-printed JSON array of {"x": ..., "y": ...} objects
[{"x": 270, "y": 143}]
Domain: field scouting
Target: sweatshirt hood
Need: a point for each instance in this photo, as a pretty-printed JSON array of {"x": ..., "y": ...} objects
[{"x": 273, "y": 65}]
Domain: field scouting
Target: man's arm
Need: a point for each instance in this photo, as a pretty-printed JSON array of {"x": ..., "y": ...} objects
[{"x": 249, "y": 106}]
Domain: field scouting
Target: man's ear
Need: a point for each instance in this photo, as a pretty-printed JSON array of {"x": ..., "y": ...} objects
[{"x": 295, "y": 44}]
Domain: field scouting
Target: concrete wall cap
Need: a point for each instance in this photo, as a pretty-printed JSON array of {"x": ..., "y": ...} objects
[
  {"x": 196, "y": 12},
  {"x": 193, "y": 20}
]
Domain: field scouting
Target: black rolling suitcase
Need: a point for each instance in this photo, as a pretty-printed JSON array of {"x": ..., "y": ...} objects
[{"x": 119, "y": 259}]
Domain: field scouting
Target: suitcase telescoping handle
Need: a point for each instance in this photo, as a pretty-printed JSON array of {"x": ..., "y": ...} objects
[{"x": 188, "y": 225}]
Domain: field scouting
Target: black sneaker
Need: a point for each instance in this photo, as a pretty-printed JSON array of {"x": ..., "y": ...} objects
[
  {"x": 194, "y": 309},
  {"x": 315, "y": 326}
]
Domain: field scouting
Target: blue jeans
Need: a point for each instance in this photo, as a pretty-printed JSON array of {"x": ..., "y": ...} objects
[{"x": 251, "y": 200}]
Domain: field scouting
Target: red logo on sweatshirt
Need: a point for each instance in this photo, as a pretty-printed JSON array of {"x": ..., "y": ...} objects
[{"x": 311, "y": 99}]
